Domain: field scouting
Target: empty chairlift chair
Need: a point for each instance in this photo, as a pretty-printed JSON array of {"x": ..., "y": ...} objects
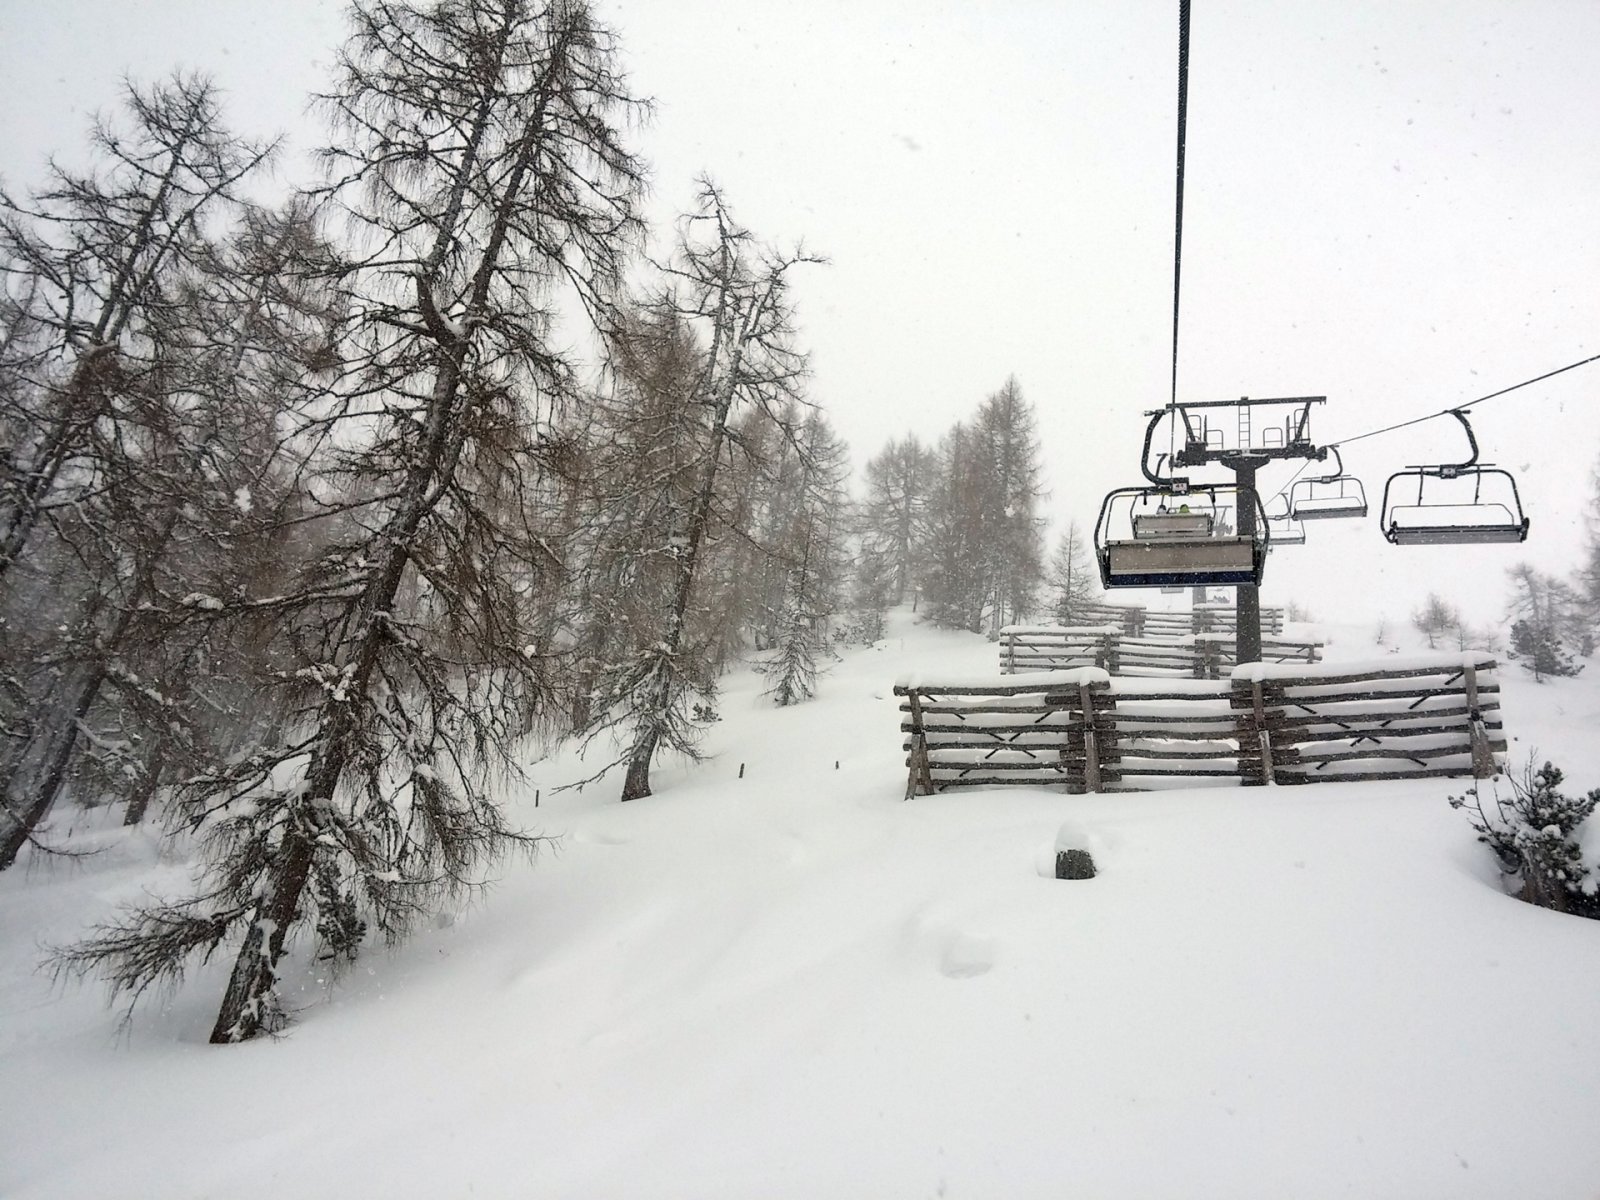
[
  {"x": 1155, "y": 537},
  {"x": 1286, "y": 531},
  {"x": 1465, "y": 503},
  {"x": 1327, "y": 497}
]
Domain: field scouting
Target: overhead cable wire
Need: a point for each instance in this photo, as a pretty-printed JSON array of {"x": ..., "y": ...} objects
[
  {"x": 1177, "y": 233},
  {"x": 1177, "y": 237},
  {"x": 1445, "y": 412}
]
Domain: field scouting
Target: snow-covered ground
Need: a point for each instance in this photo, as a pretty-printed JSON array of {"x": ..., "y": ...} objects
[{"x": 796, "y": 985}]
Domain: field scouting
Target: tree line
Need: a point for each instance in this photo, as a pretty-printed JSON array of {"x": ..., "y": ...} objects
[
  {"x": 954, "y": 528},
  {"x": 312, "y": 513}
]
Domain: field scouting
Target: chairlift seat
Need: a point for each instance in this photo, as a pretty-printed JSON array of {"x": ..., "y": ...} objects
[
  {"x": 1322, "y": 508},
  {"x": 1328, "y": 497},
  {"x": 1445, "y": 534},
  {"x": 1148, "y": 562},
  {"x": 1172, "y": 526}
]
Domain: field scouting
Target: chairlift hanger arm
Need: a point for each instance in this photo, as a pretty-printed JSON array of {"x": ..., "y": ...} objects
[
  {"x": 1173, "y": 483},
  {"x": 1334, "y": 475},
  {"x": 1460, "y": 414}
]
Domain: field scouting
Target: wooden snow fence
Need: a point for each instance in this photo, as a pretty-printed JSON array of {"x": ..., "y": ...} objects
[
  {"x": 988, "y": 732},
  {"x": 1192, "y": 656},
  {"x": 1267, "y": 724},
  {"x": 1137, "y": 621}
]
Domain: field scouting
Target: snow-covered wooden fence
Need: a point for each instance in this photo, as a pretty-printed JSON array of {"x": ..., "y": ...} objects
[
  {"x": 1190, "y": 655},
  {"x": 1437, "y": 715},
  {"x": 1138, "y": 621}
]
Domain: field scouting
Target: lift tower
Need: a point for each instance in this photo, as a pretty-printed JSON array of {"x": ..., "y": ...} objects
[
  {"x": 1243, "y": 445},
  {"x": 1173, "y": 531}
]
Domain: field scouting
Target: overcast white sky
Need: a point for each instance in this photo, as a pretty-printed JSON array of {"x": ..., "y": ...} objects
[{"x": 1395, "y": 204}]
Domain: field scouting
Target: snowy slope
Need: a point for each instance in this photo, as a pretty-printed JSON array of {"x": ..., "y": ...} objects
[{"x": 795, "y": 984}]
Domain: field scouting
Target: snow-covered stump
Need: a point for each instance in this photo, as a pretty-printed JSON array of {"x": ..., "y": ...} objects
[
  {"x": 1073, "y": 859},
  {"x": 1074, "y": 864}
]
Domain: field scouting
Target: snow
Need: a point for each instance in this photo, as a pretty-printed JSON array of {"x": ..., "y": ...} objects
[
  {"x": 1059, "y": 630},
  {"x": 794, "y": 984},
  {"x": 989, "y": 677},
  {"x": 1432, "y": 661}
]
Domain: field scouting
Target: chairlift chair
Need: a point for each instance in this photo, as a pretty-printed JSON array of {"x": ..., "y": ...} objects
[
  {"x": 1455, "y": 504},
  {"x": 1330, "y": 496},
  {"x": 1286, "y": 531},
  {"x": 1166, "y": 537},
  {"x": 1282, "y": 528}
]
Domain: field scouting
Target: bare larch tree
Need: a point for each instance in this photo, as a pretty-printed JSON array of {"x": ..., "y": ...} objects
[{"x": 483, "y": 172}]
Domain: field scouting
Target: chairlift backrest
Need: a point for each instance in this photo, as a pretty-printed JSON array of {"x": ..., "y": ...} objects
[
  {"x": 1286, "y": 531},
  {"x": 1327, "y": 497},
  {"x": 1173, "y": 525}
]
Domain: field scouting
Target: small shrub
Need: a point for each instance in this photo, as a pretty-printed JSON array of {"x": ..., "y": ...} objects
[
  {"x": 1532, "y": 835},
  {"x": 1542, "y": 650}
]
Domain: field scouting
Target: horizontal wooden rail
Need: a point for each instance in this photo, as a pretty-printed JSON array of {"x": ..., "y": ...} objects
[
  {"x": 1138, "y": 621},
  {"x": 1026, "y": 648}
]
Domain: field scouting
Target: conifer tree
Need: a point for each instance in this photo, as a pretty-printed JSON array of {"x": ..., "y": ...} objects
[
  {"x": 1547, "y": 627},
  {"x": 1073, "y": 581},
  {"x": 107, "y": 436},
  {"x": 481, "y": 163},
  {"x": 734, "y": 295},
  {"x": 812, "y": 551},
  {"x": 894, "y": 512},
  {"x": 983, "y": 546}
]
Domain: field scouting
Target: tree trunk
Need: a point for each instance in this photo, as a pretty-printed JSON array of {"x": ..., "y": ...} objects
[
  {"x": 247, "y": 1003},
  {"x": 139, "y": 802},
  {"x": 636, "y": 785},
  {"x": 247, "y": 1006}
]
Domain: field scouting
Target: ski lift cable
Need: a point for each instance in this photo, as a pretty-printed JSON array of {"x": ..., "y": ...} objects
[
  {"x": 1177, "y": 236},
  {"x": 1445, "y": 412},
  {"x": 1290, "y": 482}
]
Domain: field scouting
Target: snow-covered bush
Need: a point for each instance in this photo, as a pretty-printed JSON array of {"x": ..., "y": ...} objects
[
  {"x": 1533, "y": 834},
  {"x": 793, "y": 668},
  {"x": 1542, "y": 650}
]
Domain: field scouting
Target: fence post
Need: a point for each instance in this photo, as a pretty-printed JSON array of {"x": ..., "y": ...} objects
[
  {"x": 1477, "y": 736},
  {"x": 1264, "y": 734},
  {"x": 1011, "y": 652},
  {"x": 920, "y": 774},
  {"x": 1091, "y": 748}
]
